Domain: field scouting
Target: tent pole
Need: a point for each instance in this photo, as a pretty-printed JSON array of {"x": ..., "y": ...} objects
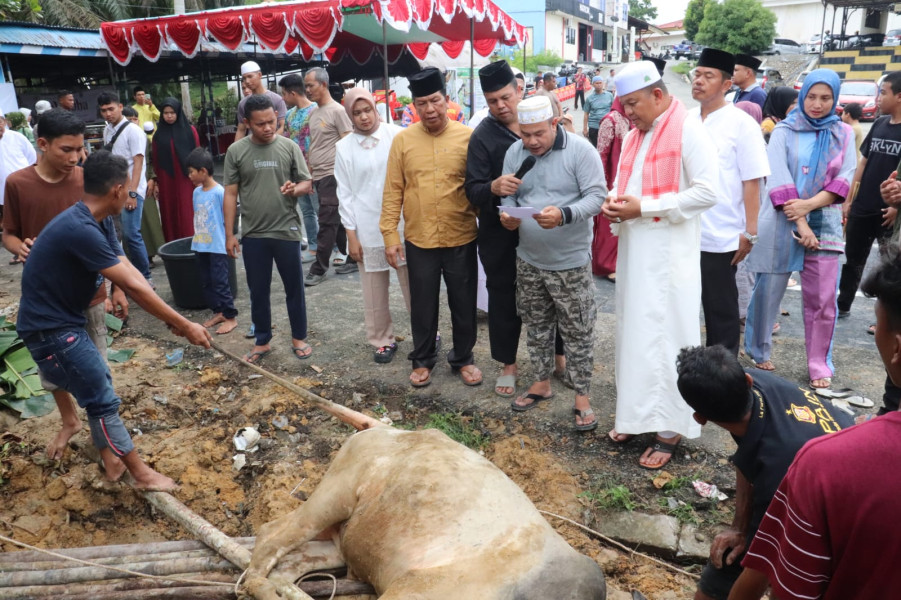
[
  {"x": 388, "y": 118},
  {"x": 823, "y": 27},
  {"x": 472, "y": 66}
]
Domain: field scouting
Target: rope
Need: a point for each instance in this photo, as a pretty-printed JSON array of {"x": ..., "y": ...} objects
[
  {"x": 111, "y": 568},
  {"x": 334, "y": 582},
  {"x": 620, "y": 546}
]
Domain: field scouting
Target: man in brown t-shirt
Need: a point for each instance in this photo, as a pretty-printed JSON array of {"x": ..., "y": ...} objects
[
  {"x": 328, "y": 124},
  {"x": 35, "y": 195}
]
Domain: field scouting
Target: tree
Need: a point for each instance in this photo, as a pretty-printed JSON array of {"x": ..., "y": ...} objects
[
  {"x": 545, "y": 58},
  {"x": 737, "y": 26},
  {"x": 694, "y": 14},
  {"x": 90, "y": 13},
  {"x": 642, "y": 9}
]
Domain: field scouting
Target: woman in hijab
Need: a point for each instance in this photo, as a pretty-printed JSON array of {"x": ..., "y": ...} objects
[
  {"x": 813, "y": 159},
  {"x": 173, "y": 141},
  {"x": 611, "y": 131},
  {"x": 779, "y": 102}
]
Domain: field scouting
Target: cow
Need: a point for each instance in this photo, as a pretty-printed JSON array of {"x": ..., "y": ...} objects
[{"x": 421, "y": 517}]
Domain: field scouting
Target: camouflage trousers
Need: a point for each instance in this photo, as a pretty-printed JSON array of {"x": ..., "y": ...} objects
[{"x": 552, "y": 300}]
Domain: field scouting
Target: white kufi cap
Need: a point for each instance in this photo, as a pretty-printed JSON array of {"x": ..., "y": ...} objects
[
  {"x": 250, "y": 67},
  {"x": 42, "y": 106},
  {"x": 148, "y": 126},
  {"x": 536, "y": 109},
  {"x": 635, "y": 76}
]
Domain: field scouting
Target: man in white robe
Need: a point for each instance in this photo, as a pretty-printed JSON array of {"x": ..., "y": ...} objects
[{"x": 658, "y": 288}]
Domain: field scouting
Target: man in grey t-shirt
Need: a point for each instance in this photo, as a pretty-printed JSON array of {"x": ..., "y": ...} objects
[
  {"x": 269, "y": 173},
  {"x": 555, "y": 288},
  {"x": 252, "y": 79}
]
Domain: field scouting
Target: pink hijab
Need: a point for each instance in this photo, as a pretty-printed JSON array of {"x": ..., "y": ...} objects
[
  {"x": 752, "y": 109},
  {"x": 351, "y": 97}
]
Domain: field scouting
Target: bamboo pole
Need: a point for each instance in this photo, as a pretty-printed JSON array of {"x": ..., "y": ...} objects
[
  {"x": 91, "y": 552},
  {"x": 115, "y": 561},
  {"x": 313, "y": 589},
  {"x": 116, "y": 585},
  {"x": 346, "y": 415}
]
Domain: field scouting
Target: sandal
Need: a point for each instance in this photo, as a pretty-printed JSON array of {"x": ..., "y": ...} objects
[
  {"x": 471, "y": 383},
  {"x": 384, "y": 354},
  {"x": 505, "y": 381},
  {"x": 536, "y": 399},
  {"x": 423, "y": 382},
  {"x": 828, "y": 381},
  {"x": 585, "y": 413},
  {"x": 255, "y": 357},
  {"x": 663, "y": 448},
  {"x": 613, "y": 434},
  {"x": 828, "y": 393},
  {"x": 872, "y": 329},
  {"x": 301, "y": 351}
]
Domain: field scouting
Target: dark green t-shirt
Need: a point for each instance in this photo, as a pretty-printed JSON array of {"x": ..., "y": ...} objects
[{"x": 260, "y": 171}]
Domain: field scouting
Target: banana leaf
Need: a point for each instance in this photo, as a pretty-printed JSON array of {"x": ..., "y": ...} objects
[
  {"x": 8, "y": 339},
  {"x": 6, "y": 325},
  {"x": 119, "y": 356},
  {"x": 36, "y": 406},
  {"x": 20, "y": 384},
  {"x": 113, "y": 322}
]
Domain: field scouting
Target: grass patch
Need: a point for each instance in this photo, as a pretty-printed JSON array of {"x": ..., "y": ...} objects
[
  {"x": 677, "y": 484},
  {"x": 462, "y": 429},
  {"x": 683, "y": 67},
  {"x": 612, "y": 497},
  {"x": 683, "y": 511}
]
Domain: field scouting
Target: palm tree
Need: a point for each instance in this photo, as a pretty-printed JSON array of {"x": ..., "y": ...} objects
[{"x": 91, "y": 13}]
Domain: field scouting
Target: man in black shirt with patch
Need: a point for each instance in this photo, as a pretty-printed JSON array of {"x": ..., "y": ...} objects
[
  {"x": 770, "y": 419},
  {"x": 485, "y": 185}
]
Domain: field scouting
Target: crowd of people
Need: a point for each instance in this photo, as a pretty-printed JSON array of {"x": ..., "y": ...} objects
[{"x": 711, "y": 207}]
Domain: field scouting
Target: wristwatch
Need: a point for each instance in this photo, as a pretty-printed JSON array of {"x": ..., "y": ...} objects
[
  {"x": 133, "y": 195},
  {"x": 751, "y": 238}
]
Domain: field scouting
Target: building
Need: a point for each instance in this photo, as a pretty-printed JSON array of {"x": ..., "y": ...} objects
[
  {"x": 576, "y": 30},
  {"x": 800, "y": 20},
  {"x": 657, "y": 43}
]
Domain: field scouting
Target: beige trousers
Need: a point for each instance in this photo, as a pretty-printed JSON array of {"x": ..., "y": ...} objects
[{"x": 376, "y": 310}]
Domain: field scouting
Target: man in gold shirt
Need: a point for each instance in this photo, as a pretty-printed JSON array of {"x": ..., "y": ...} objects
[
  {"x": 426, "y": 169},
  {"x": 145, "y": 109}
]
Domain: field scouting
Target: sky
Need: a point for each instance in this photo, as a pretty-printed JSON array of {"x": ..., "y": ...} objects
[{"x": 669, "y": 10}]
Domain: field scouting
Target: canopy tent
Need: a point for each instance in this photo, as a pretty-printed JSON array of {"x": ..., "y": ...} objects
[{"x": 353, "y": 35}]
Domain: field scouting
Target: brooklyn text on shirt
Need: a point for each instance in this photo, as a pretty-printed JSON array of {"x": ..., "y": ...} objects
[
  {"x": 884, "y": 146},
  {"x": 265, "y": 164}
]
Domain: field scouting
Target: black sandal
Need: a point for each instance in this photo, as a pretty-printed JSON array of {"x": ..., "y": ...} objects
[{"x": 384, "y": 354}]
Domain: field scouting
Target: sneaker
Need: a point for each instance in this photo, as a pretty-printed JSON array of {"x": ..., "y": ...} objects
[
  {"x": 251, "y": 333},
  {"x": 307, "y": 257},
  {"x": 303, "y": 244},
  {"x": 348, "y": 267},
  {"x": 312, "y": 279},
  {"x": 844, "y": 314},
  {"x": 384, "y": 354}
]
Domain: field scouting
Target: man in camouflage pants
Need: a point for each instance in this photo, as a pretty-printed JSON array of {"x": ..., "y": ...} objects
[{"x": 553, "y": 267}]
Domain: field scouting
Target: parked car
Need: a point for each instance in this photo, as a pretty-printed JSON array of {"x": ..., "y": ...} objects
[
  {"x": 864, "y": 40},
  {"x": 861, "y": 91},
  {"x": 799, "y": 80},
  {"x": 892, "y": 38},
  {"x": 784, "y": 46},
  {"x": 768, "y": 78},
  {"x": 683, "y": 49}
]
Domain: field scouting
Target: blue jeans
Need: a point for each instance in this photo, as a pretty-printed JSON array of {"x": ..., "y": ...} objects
[
  {"x": 309, "y": 208},
  {"x": 259, "y": 254},
  {"x": 68, "y": 359},
  {"x": 132, "y": 241}
]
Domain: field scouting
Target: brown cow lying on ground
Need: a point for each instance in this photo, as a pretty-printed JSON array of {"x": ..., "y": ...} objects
[{"x": 421, "y": 517}]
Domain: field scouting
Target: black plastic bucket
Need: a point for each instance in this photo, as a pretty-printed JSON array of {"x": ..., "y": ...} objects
[{"x": 183, "y": 273}]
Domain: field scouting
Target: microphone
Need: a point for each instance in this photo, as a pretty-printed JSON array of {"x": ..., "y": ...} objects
[{"x": 525, "y": 167}]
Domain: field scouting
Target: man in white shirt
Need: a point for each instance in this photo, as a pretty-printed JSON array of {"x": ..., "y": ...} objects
[
  {"x": 127, "y": 140},
  {"x": 729, "y": 229},
  {"x": 252, "y": 83},
  {"x": 16, "y": 152},
  {"x": 361, "y": 161},
  {"x": 665, "y": 180}
]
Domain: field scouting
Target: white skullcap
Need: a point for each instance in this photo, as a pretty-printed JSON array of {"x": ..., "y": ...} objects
[
  {"x": 148, "y": 126},
  {"x": 42, "y": 106},
  {"x": 25, "y": 111},
  {"x": 250, "y": 67},
  {"x": 635, "y": 76},
  {"x": 536, "y": 109}
]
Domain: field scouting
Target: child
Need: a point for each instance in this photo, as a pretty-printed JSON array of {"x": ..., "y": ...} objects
[
  {"x": 851, "y": 115},
  {"x": 209, "y": 241}
]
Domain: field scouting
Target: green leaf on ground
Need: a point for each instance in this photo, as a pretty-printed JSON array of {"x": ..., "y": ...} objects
[
  {"x": 113, "y": 322},
  {"x": 8, "y": 339},
  {"x": 6, "y": 325},
  {"x": 109, "y": 341},
  {"x": 119, "y": 356},
  {"x": 36, "y": 406}
]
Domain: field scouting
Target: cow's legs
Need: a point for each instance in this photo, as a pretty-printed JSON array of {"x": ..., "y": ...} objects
[{"x": 332, "y": 502}]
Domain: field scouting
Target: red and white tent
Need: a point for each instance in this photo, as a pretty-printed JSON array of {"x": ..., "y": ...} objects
[{"x": 341, "y": 30}]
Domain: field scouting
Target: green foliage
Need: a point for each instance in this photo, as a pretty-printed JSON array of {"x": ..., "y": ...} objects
[
  {"x": 611, "y": 497},
  {"x": 694, "y": 14},
  {"x": 677, "y": 483},
  {"x": 20, "y": 384},
  {"x": 465, "y": 430},
  {"x": 683, "y": 67},
  {"x": 683, "y": 511},
  {"x": 405, "y": 100},
  {"x": 737, "y": 26},
  {"x": 545, "y": 58},
  {"x": 642, "y": 9}
]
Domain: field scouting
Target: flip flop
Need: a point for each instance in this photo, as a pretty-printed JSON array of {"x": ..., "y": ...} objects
[
  {"x": 830, "y": 393},
  {"x": 828, "y": 385},
  {"x": 463, "y": 379},
  {"x": 505, "y": 381},
  {"x": 535, "y": 398},
  {"x": 664, "y": 448},
  {"x": 860, "y": 402},
  {"x": 423, "y": 382},
  {"x": 255, "y": 357},
  {"x": 585, "y": 413},
  {"x": 871, "y": 329},
  {"x": 299, "y": 350}
]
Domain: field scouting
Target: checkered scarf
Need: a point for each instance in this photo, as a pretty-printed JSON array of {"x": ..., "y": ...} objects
[{"x": 663, "y": 162}]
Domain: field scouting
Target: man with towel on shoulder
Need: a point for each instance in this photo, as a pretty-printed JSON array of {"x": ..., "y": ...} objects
[{"x": 666, "y": 179}]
